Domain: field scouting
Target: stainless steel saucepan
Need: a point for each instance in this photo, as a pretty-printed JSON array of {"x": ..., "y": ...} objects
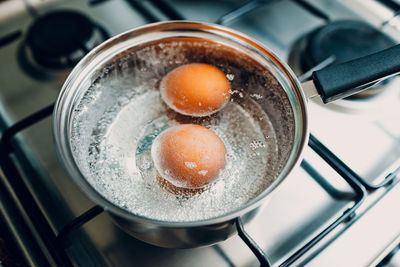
[{"x": 257, "y": 71}]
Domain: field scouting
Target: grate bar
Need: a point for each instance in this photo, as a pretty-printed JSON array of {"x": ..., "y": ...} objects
[
  {"x": 339, "y": 166},
  {"x": 168, "y": 10},
  {"x": 24, "y": 195},
  {"x": 9, "y": 133},
  {"x": 313, "y": 10},
  {"x": 10, "y": 38},
  {"x": 96, "y": 2},
  {"x": 393, "y": 5},
  {"x": 254, "y": 247},
  {"x": 78, "y": 222},
  {"x": 346, "y": 216},
  {"x": 144, "y": 11},
  {"x": 32, "y": 209},
  {"x": 240, "y": 11},
  {"x": 320, "y": 149}
]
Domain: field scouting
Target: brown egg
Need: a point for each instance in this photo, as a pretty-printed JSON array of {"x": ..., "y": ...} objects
[
  {"x": 195, "y": 89},
  {"x": 188, "y": 155}
]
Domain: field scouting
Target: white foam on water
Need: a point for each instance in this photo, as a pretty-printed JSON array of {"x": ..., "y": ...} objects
[{"x": 115, "y": 153}]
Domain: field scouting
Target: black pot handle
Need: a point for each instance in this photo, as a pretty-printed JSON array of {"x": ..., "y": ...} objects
[{"x": 351, "y": 77}]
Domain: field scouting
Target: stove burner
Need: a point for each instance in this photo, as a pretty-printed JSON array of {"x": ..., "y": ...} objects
[
  {"x": 57, "y": 41},
  {"x": 345, "y": 40}
]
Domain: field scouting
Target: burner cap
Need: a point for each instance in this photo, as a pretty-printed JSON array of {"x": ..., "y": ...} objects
[
  {"x": 60, "y": 39},
  {"x": 346, "y": 40}
]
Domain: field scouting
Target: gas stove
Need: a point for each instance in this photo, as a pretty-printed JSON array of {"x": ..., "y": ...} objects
[{"x": 339, "y": 208}]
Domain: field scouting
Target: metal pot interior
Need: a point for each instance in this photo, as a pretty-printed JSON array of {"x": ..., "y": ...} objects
[{"x": 106, "y": 82}]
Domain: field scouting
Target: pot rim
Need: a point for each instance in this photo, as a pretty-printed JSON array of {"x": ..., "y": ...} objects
[{"x": 292, "y": 86}]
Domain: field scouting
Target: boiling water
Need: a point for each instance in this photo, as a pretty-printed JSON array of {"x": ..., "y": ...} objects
[{"x": 117, "y": 160}]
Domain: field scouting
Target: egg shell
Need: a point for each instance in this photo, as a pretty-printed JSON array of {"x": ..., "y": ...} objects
[
  {"x": 188, "y": 155},
  {"x": 195, "y": 89}
]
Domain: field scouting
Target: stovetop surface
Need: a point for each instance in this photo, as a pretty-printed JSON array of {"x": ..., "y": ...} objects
[{"x": 365, "y": 134}]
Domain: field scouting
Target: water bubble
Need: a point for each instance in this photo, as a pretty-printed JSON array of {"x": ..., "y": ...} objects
[
  {"x": 145, "y": 165},
  {"x": 256, "y": 96},
  {"x": 117, "y": 120},
  {"x": 230, "y": 77},
  {"x": 203, "y": 172},
  {"x": 190, "y": 165},
  {"x": 257, "y": 144}
]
